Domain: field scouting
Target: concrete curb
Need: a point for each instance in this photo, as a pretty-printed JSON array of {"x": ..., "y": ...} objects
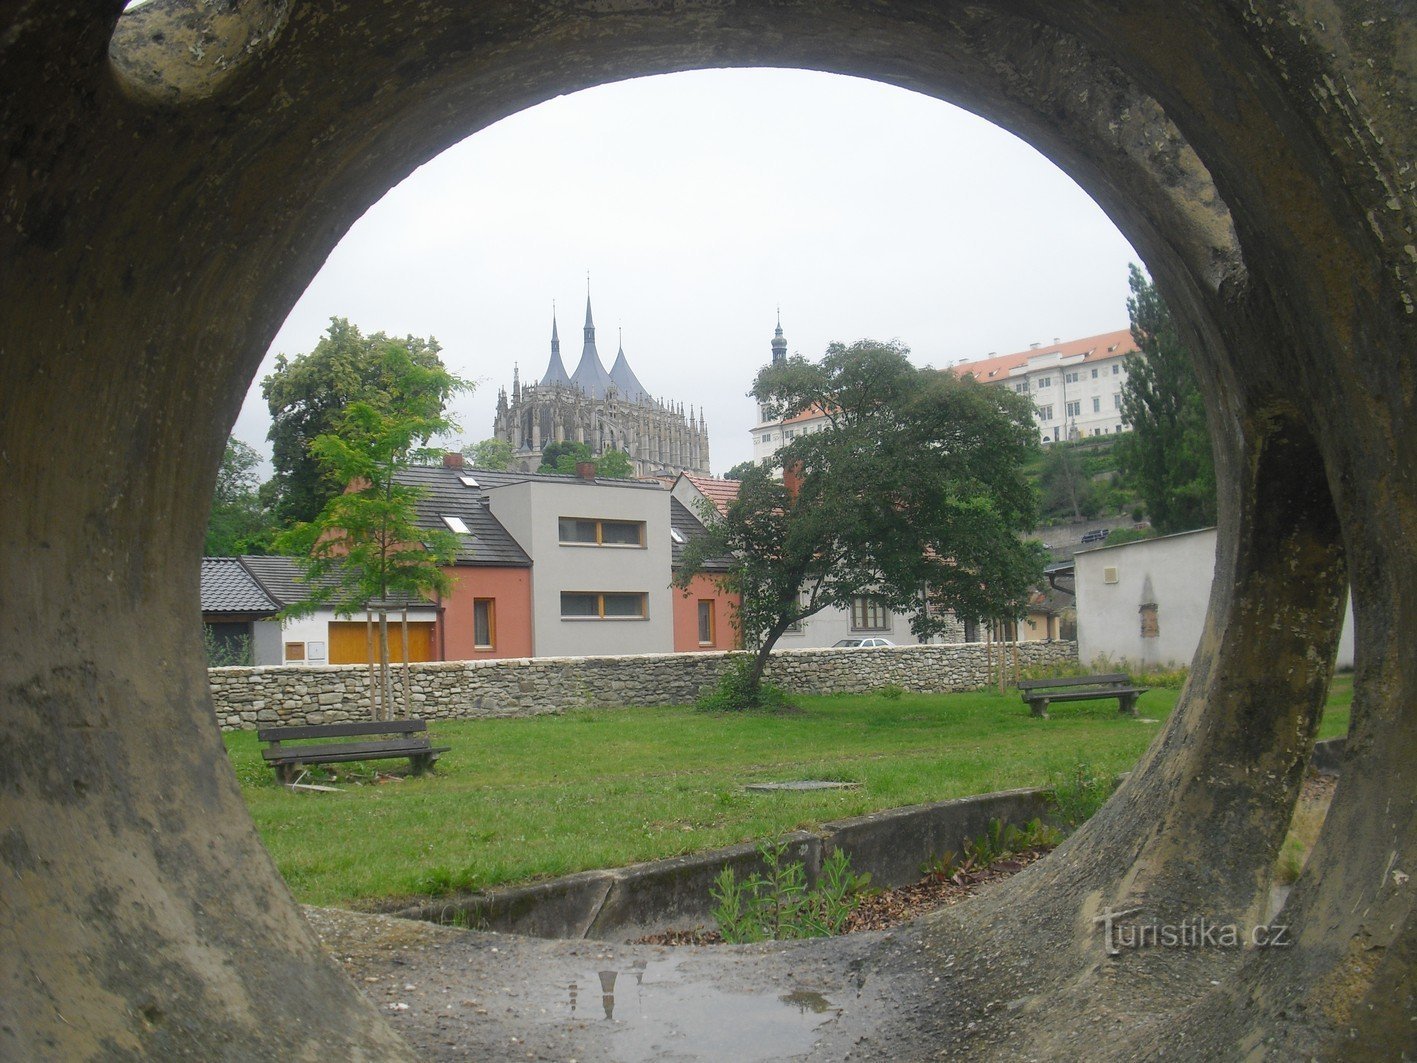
[{"x": 629, "y": 902}]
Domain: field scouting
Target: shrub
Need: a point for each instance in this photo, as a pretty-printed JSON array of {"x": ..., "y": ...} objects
[
  {"x": 1079, "y": 792},
  {"x": 998, "y": 842},
  {"x": 777, "y": 905},
  {"x": 891, "y": 691},
  {"x": 733, "y": 693}
]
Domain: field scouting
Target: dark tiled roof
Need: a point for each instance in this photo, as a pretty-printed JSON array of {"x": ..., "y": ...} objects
[
  {"x": 501, "y": 479},
  {"x": 282, "y": 579},
  {"x": 227, "y": 587},
  {"x": 447, "y": 496},
  {"x": 687, "y": 525}
]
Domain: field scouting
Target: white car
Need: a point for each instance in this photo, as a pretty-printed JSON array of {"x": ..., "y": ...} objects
[{"x": 861, "y": 643}]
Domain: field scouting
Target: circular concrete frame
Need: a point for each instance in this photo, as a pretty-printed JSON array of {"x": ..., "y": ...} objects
[{"x": 170, "y": 188}]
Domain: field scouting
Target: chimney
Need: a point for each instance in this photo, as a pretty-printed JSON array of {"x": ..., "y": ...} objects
[
  {"x": 1034, "y": 346},
  {"x": 452, "y": 460},
  {"x": 792, "y": 480},
  {"x": 585, "y": 470}
]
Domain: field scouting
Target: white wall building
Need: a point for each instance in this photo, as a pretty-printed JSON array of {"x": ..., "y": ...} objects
[
  {"x": 1076, "y": 386},
  {"x": 600, "y": 583},
  {"x": 1146, "y": 602}
]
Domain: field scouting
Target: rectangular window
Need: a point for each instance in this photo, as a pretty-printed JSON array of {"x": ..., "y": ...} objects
[
  {"x": 484, "y": 623},
  {"x": 787, "y": 433},
  {"x": 1045, "y": 413},
  {"x": 706, "y": 622},
  {"x": 1094, "y": 374},
  {"x": 1097, "y": 404},
  {"x": 1117, "y": 401},
  {"x": 1045, "y": 382},
  {"x": 767, "y": 437},
  {"x": 1070, "y": 378},
  {"x": 1022, "y": 387},
  {"x": 585, "y": 531},
  {"x": 1075, "y": 409},
  {"x": 1116, "y": 368},
  {"x": 610, "y": 605},
  {"x": 869, "y": 614}
]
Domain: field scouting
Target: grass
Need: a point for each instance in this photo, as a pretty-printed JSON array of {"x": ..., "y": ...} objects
[{"x": 520, "y": 799}]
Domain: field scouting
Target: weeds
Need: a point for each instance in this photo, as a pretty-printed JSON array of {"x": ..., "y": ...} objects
[
  {"x": 891, "y": 691},
  {"x": 734, "y": 692},
  {"x": 999, "y": 841},
  {"x": 777, "y": 905},
  {"x": 1077, "y": 793}
]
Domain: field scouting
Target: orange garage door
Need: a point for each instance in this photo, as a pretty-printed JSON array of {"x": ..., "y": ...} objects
[{"x": 350, "y": 645}]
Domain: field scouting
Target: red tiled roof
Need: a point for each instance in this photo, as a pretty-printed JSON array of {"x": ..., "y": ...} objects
[
  {"x": 719, "y": 492},
  {"x": 1092, "y": 348}
]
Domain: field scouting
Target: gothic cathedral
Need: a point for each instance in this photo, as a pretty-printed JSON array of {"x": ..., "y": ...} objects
[{"x": 605, "y": 410}]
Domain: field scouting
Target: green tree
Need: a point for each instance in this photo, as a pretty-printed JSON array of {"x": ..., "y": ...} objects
[
  {"x": 614, "y": 465},
  {"x": 238, "y": 523},
  {"x": 737, "y": 472},
  {"x": 365, "y": 546},
  {"x": 308, "y": 395},
  {"x": 493, "y": 454},
  {"x": 917, "y": 482},
  {"x": 1167, "y": 453},
  {"x": 562, "y": 456},
  {"x": 1065, "y": 486}
]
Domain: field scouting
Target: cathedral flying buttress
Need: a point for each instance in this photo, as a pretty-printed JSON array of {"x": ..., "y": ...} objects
[{"x": 606, "y": 410}]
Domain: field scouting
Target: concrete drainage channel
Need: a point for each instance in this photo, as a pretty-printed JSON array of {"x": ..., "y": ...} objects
[{"x": 624, "y": 903}]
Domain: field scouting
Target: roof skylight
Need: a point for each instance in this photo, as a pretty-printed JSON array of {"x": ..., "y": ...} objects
[
  {"x": 677, "y": 536},
  {"x": 468, "y": 481},
  {"x": 457, "y": 525}
]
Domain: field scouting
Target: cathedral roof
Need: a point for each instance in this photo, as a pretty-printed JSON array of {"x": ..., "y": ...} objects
[
  {"x": 555, "y": 370},
  {"x": 626, "y": 382},
  {"x": 590, "y": 375}
]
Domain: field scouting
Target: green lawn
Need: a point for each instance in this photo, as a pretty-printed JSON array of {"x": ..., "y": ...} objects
[{"x": 521, "y": 799}]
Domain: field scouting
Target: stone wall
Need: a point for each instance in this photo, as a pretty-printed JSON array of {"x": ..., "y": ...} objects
[{"x": 465, "y": 690}]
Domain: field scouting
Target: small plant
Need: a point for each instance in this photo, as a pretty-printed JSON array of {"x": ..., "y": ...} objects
[
  {"x": 733, "y": 692},
  {"x": 1076, "y": 794},
  {"x": 999, "y": 841},
  {"x": 891, "y": 691},
  {"x": 777, "y": 905},
  {"x": 231, "y": 652}
]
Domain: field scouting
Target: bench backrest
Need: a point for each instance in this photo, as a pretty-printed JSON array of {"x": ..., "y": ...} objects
[
  {"x": 342, "y": 730},
  {"x": 1110, "y": 679}
]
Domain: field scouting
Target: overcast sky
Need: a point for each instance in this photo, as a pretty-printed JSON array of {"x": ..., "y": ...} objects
[{"x": 701, "y": 202}]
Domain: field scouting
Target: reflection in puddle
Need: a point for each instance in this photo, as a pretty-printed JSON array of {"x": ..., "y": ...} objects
[{"x": 663, "y": 1012}]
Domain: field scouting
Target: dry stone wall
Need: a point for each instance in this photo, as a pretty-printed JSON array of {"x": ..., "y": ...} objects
[{"x": 467, "y": 690}]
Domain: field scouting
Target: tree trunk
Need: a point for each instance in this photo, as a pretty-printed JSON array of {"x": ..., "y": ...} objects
[
  {"x": 371, "y": 658},
  {"x": 386, "y": 679},
  {"x": 407, "y": 676}
]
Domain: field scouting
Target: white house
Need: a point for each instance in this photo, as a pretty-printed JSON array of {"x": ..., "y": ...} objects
[{"x": 1146, "y": 602}]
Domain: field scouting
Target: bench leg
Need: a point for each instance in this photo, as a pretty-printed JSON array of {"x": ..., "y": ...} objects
[
  {"x": 1040, "y": 708},
  {"x": 422, "y": 762},
  {"x": 285, "y": 773},
  {"x": 1128, "y": 704}
]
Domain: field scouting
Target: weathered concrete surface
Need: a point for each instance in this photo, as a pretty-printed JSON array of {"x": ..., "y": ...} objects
[
  {"x": 626, "y": 903},
  {"x": 166, "y": 192}
]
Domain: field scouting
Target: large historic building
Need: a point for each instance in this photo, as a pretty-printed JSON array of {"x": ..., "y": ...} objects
[{"x": 605, "y": 410}]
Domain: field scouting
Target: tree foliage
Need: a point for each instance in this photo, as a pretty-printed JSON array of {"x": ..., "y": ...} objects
[
  {"x": 238, "y": 523},
  {"x": 1167, "y": 453},
  {"x": 914, "y": 492},
  {"x": 309, "y": 394},
  {"x": 563, "y": 457},
  {"x": 365, "y": 547},
  {"x": 494, "y": 454},
  {"x": 736, "y": 473}
]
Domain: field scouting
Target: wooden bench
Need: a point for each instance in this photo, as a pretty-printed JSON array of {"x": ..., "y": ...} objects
[
  {"x": 402, "y": 738},
  {"x": 1039, "y": 692}
]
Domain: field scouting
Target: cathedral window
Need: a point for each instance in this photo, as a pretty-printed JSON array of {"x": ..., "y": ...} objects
[{"x": 588, "y": 531}]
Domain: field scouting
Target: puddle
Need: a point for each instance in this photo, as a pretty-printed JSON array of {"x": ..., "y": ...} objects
[{"x": 653, "y": 1011}]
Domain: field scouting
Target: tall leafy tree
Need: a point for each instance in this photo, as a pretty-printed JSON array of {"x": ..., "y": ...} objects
[
  {"x": 238, "y": 523},
  {"x": 307, "y": 396},
  {"x": 365, "y": 547},
  {"x": 1167, "y": 453},
  {"x": 914, "y": 492},
  {"x": 495, "y": 454}
]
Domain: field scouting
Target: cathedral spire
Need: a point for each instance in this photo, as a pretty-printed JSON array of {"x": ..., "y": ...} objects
[
  {"x": 590, "y": 374},
  {"x": 555, "y": 370}
]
